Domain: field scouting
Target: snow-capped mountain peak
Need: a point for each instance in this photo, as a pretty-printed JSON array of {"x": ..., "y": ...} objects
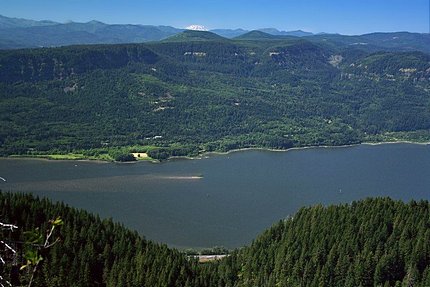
[{"x": 196, "y": 28}]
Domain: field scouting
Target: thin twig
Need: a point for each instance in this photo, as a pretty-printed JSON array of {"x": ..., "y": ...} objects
[
  {"x": 7, "y": 282},
  {"x": 32, "y": 275},
  {"x": 8, "y": 226},
  {"x": 8, "y": 247},
  {"x": 49, "y": 236},
  {"x": 53, "y": 243}
]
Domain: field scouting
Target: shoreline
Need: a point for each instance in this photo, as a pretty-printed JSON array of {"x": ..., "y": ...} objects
[
  {"x": 47, "y": 158},
  {"x": 308, "y": 147},
  {"x": 207, "y": 154}
]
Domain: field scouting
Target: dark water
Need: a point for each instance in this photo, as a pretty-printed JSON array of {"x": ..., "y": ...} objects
[{"x": 239, "y": 195}]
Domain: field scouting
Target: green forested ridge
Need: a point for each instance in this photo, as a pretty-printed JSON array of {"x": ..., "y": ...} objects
[
  {"x": 397, "y": 41},
  {"x": 374, "y": 242},
  {"x": 256, "y": 35},
  {"x": 196, "y": 93},
  {"x": 195, "y": 35},
  {"x": 92, "y": 252}
]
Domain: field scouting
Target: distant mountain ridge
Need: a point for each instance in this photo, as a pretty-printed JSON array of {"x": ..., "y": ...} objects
[
  {"x": 296, "y": 33},
  {"x": 233, "y": 33},
  {"x": 195, "y": 35},
  {"x": 16, "y": 33},
  {"x": 23, "y": 33},
  {"x": 260, "y": 35},
  {"x": 229, "y": 33},
  {"x": 6, "y": 22}
]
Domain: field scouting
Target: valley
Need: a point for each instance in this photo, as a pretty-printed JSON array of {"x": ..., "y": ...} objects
[
  {"x": 197, "y": 92},
  {"x": 149, "y": 155}
]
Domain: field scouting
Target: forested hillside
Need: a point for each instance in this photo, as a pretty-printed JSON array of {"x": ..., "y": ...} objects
[
  {"x": 374, "y": 242},
  {"x": 200, "y": 92},
  {"x": 92, "y": 252}
]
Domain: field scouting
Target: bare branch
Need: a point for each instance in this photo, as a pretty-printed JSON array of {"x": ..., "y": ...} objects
[
  {"x": 8, "y": 226},
  {"x": 8, "y": 247},
  {"x": 34, "y": 259},
  {"x": 48, "y": 236},
  {"x": 53, "y": 243},
  {"x": 4, "y": 280}
]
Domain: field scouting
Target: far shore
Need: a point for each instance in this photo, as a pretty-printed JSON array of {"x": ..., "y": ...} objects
[
  {"x": 309, "y": 147},
  {"x": 203, "y": 155},
  {"x": 47, "y": 158}
]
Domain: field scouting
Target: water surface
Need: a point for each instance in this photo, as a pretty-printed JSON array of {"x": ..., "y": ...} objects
[{"x": 239, "y": 195}]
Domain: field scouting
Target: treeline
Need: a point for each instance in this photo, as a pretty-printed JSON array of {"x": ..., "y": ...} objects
[
  {"x": 92, "y": 252},
  {"x": 48, "y": 64},
  {"x": 374, "y": 242}
]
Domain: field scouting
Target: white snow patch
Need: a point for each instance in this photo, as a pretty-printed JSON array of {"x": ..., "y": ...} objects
[{"x": 196, "y": 28}]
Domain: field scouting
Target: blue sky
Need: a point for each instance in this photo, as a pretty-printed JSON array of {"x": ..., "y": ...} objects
[{"x": 334, "y": 16}]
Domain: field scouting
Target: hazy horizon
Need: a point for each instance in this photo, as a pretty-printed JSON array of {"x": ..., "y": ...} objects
[{"x": 351, "y": 17}]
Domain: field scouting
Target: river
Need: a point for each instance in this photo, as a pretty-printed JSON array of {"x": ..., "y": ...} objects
[{"x": 224, "y": 200}]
